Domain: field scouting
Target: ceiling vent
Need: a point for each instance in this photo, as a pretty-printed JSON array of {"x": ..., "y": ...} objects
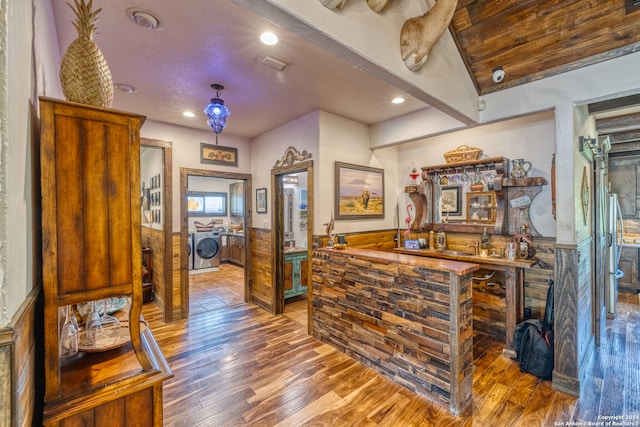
[{"x": 272, "y": 62}]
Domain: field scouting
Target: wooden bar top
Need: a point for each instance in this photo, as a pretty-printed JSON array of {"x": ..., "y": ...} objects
[
  {"x": 454, "y": 255},
  {"x": 459, "y": 268}
]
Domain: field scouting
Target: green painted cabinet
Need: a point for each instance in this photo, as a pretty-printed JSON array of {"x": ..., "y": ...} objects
[{"x": 295, "y": 274}]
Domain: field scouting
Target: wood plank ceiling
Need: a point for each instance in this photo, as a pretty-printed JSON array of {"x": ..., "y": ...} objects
[{"x": 533, "y": 39}]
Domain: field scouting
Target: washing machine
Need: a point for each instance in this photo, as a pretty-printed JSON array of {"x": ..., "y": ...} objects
[
  {"x": 190, "y": 250},
  {"x": 206, "y": 250}
]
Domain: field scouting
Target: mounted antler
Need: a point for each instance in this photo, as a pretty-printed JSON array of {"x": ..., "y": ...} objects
[
  {"x": 332, "y": 4},
  {"x": 420, "y": 34},
  {"x": 378, "y": 5}
]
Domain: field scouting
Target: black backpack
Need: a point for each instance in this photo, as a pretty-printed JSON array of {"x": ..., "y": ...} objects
[{"x": 533, "y": 341}]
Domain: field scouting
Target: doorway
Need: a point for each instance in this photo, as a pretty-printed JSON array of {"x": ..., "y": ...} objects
[
  {"x": 293, "y": 237},
  {"x": 156, "y": 219},
  {"x": 214, "y": 227}
]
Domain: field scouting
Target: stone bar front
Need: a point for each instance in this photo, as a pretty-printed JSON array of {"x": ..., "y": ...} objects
[{"x": 408, "y": 317}]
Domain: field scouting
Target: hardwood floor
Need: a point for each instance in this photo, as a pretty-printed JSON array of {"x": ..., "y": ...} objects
[{"x": 237, "y": 365}]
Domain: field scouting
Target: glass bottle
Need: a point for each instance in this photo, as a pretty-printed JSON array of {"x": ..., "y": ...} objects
[
  {"x": 484, "y": 240},
  {"x": 69, "y": 334},
  {"x": 441, "y": 239},
  {"x": 523, "y": 245}
]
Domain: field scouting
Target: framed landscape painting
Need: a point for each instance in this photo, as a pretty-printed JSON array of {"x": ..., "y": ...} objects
[{"x": 359, "y": 191}]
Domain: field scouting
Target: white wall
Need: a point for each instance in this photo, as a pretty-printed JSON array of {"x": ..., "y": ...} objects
[
  {"x": 186, "y": 153},
  {"x": 31, "y": 69},
  {"x": 529, "y": 137},
  {"x": 267, "y": 149},
  {"x": 344, "y": 140}
]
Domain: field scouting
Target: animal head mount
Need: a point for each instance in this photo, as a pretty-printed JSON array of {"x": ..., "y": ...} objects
[{"x": 418, "y": 35}]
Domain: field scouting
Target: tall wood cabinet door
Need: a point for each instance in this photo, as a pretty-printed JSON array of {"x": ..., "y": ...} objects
[
  {"x": 91, "y": 228},
  {"x": 90, "y": 180}
]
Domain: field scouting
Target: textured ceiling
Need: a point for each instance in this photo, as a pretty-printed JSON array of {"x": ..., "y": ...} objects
[{"x": 200, "y": 42}]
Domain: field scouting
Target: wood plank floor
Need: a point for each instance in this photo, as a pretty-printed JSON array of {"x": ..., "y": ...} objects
[{"x": 235, "y": 365}]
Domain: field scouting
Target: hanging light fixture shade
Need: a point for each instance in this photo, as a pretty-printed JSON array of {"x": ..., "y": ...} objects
[{"x": 217, "y": 112}]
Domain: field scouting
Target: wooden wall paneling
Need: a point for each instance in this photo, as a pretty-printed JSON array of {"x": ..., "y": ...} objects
[
  {"x": 260, "y": 266},
  {"x": 175, "y": 305},
  {"x": 21, "y": 364},
  {"x": 566, "y": 313},
  {"x": 154, "y": 239}
]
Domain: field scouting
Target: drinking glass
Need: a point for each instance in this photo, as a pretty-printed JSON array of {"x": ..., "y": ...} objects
[
  {"x": 109, "y": 327},
  {"x": 69, "y": 334},
  {"x": 92, "y": 327}
]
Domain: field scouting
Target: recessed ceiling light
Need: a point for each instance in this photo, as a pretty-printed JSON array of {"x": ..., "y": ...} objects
[
  {"x": 268, "y": 38},
  {"x": 397, "y": 100},
  {"x": 188, "y": 114},
  {"x": 126, "y": 88},
  {"x": 144, "y": 18}
]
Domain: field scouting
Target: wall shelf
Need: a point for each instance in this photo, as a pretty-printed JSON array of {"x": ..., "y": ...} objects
[{"x": 508, "y": 220}]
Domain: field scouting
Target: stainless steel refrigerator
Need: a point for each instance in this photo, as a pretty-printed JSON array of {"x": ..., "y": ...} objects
[{"x": 615, "y": 234}]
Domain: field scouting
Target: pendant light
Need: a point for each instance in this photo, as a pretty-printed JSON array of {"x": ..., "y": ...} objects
[{"x": 217, "y": 112}]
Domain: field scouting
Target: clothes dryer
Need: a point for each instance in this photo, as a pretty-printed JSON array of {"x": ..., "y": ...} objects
[{"x": 206, "y": 250}]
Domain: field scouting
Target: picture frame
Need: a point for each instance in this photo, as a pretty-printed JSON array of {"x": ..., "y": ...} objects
[
  {"x": 450, "y": 201},
  {"x": 261, "y": 200},
  {"x": 359, "y": 191},
  {"x": 218, "y": 155}
]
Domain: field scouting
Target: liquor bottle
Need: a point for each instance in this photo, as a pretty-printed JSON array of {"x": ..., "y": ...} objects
[
  {"x": 441, "y": 239},
  {"x": 484, "y": 240},
  {"x": 523, "y": 245}
]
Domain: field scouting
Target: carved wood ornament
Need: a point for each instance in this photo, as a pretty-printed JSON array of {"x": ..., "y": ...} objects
[
  {"x": 291, "y": 155},
  {"x": 418, "y": 35}
]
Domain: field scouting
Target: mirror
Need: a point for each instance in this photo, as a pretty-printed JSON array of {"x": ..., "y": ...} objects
[{"x": 288, "y": 216}]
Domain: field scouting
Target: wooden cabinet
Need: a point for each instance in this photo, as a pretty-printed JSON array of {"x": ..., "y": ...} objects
[
  {"x": 481, "y": 206},
  {"x": 225, "y": 255},
  {"x": 90, "y": 177},
  {"x": 236, "y": 250},
  {"x": 629, "y": 266},
  {"x": 295, "y": 273},
  {"x": 236, "y": 196}
]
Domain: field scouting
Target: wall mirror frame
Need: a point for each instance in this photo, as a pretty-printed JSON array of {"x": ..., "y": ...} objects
[{"x": 278, "y": 235}]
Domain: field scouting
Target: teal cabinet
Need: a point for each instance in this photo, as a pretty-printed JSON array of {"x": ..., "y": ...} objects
[{"x": 295, "y": 274}]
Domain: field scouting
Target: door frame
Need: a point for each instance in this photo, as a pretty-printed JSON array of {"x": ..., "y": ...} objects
[
  {"x": 185, "y": 173},
  {"x": 277, "y": 241},
  {"x": 167, "y": 221}
]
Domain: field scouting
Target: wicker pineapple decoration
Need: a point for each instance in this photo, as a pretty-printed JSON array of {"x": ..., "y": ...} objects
[{"x": 84, "y": 73}]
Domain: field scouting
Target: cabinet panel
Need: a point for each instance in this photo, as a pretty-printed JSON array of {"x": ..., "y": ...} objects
[
  {"x": 295, "y": 274},
  {"x": 629, "y": 266},
  {"x": 224, "y": 251},
  {"x": 236, "y": 250},
  {"x": 623, "y": 176},
  {"x": 481, "y": 206}
]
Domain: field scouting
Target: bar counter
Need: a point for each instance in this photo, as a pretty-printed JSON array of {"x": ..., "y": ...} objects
[
  {"x": 514, "y": 284},
  {"x": 408, "y": 317}
]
